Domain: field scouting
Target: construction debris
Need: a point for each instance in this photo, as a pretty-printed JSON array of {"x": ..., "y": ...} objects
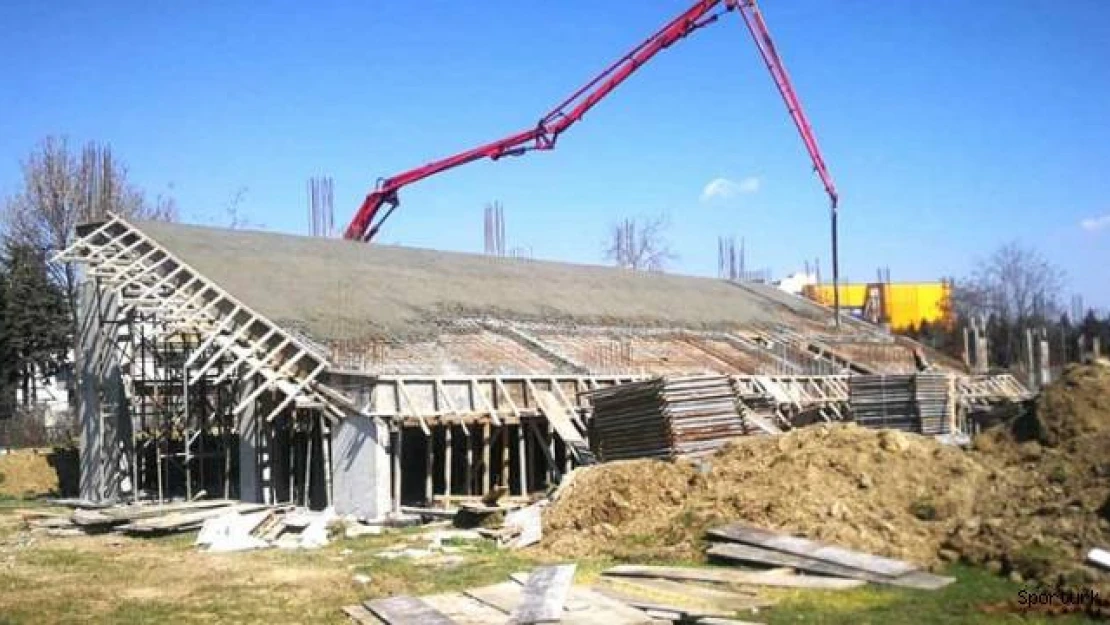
[
  {"x": 232, "y": 531},
  {"x": 223, "y": 525},
  {"x": 545, "y": 595},
  {"x": 781, "y": 578},
  {"x": 283, "y": 527},
  {"x": 1099, "y": 558},
  {"x": 778, "y": 549}
]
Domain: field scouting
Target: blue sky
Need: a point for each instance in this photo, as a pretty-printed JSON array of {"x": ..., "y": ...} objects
[{"x": 949, "y": 126}]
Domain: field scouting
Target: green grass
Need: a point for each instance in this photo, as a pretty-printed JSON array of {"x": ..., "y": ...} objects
[
  {"x": 123, "y": 580},
  {"x": 960, "y": 602}
]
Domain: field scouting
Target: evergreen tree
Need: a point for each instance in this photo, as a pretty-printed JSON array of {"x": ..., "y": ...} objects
[
  {"x": 9, "y": 380},
  {"x": 35, "y": 319}
]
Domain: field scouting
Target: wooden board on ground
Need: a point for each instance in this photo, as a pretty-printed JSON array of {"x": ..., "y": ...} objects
[
  {"x": 684, "y": 597},
  {"x": 143, "y": 511},
  {"x": 655, "y": 607},
  {"x": 545, "y": 592},
  {"x": 922, "y": 580},
  {"x": 504, "y": 596},
  {"x": 361, "y": 615},
  {"x": 747, "y": 553},
  {"x": 176, "y": 521},
  {"x": 405, "y": 610},
  {"x": 712, "y": 597},
  {"x": 465, "y": 610},
  {"x": 785, "y": 543},
  {"x": 587, "y": 607},
  {"x": 717, "y": 575}
]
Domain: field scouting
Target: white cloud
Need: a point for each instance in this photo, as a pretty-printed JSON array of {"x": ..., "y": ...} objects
[
  {"x": 723, "y": 188},
  {"x": 1094, "y": 224}
]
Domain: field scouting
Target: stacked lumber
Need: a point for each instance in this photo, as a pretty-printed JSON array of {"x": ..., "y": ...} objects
[
  {"x": 224, "y": 525},
  {"x": 143, "y": 518},
  {"x": 752, "y": 545},
  {"x": 883, "y": 401},
  {"x": 665, "y": 417},
  {"x": 931, "y": 394},
  {"x": 916, "y": 403}
]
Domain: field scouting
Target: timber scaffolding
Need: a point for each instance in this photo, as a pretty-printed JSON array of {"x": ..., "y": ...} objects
[{"x": 271, "y": 368}]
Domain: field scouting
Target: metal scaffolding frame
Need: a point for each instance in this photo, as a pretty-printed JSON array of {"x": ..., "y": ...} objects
[{"x": 192, "y": 360}]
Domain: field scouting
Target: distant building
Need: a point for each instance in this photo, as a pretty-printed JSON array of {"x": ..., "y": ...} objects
[
  {"x": 50, "y": 394},
  {"x": 901, "y": 305},
  {"x": 796, "y": 282}
]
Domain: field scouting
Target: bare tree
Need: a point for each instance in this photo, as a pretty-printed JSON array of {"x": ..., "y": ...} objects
[
  {"x": 639, "y": 244},
  {"x": 63, "y": 188},
  {"x": 236, "y": 219},
  {"x": 1014, "y": 284}
]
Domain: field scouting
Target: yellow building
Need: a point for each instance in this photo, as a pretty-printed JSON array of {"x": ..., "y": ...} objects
[{"x": 901, "y": 304}]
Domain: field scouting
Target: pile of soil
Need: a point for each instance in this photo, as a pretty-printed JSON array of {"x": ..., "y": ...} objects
[
  {"x": 27, "y": 473},
  {"x": 838, "y": 483},
  {"x": 1052, "y": 470},
  {"x": 1028, "y": 501}
]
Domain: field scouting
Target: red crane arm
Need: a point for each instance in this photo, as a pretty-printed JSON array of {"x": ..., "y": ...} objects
[
  {"x": 762, "y": 37},
  {"x": 544, "y": 135},
  {"x": 546, "y": 132}
]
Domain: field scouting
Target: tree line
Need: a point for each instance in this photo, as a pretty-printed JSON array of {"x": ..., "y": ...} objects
[{"x": 1013, "y": 291}]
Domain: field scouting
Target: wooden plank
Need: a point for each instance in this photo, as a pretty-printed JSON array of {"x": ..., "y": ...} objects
[
  {"x": 684, "y": 613},
  {"x": 713, "y": 597},
  {"x": 747, "y": 553},
  {"x": 361, "y": 615},
  {"x": 142, "y": 511},
  {"x": 678, "y": 597},
  {"x": 405, "y": 610},
  {"x": 177, "y": 521},
  {"x": 505, "y": 596},
  {"x": 922, "y": 580},
  {"x": 587, "y": 607},
  {"x": 439, "y": 513},
  {"x": 718, "y": 575},
  {"x": 466, "y": 610},
  {"x": 556, "y": 415},
  {"x": 785, "y": 543},
  {"x": 545, "y": 592}
]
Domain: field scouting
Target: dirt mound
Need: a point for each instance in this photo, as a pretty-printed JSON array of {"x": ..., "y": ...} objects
[
  {"x": 840, "y": 483},
  {"x": 1075, "y": 406},
  {"x": 27, "y": 473},
  {"x": 620, "y": 507},
  {"x": 1052, "y": 470},
  {"x": 1028, "y": 501}
]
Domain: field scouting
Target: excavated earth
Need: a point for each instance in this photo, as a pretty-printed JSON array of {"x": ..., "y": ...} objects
[{"x": 1028, "y": 500}]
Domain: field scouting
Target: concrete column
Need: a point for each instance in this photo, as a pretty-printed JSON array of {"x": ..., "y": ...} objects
[
  {"x": 250, "y": 489},
  {"x": 1044, "y": 362},
  {"x": 101, "y": 411},
  {"x": 360, "y": 468}
]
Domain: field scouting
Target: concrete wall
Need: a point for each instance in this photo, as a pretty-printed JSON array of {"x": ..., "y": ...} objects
[
  {"x": 105, "y": 429},
  {"x": 360, "y": 467}
]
